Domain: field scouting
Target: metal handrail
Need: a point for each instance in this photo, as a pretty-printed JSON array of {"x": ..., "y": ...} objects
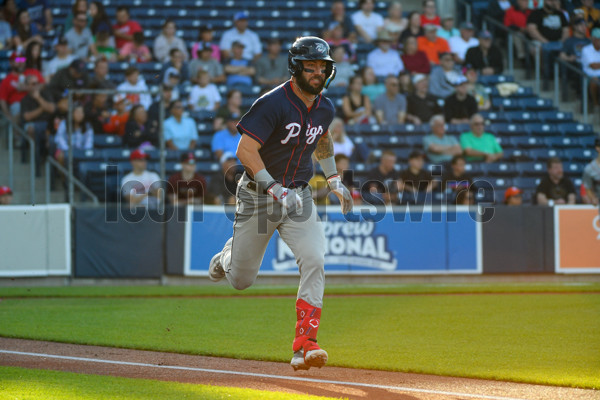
[
  {"x": 52, "y": 162},
  {"x": 584, "y": 84},
  {"x": 13, "y": 127}
]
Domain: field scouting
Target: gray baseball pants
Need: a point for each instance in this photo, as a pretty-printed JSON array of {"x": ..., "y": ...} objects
[{"x": 257, "y": 217}]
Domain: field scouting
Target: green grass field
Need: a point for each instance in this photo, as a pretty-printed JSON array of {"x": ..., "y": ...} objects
[{"x": 540, "y": 336}]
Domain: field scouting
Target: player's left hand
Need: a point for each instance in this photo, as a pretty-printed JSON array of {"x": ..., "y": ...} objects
[{"x": 342, "y": 192}]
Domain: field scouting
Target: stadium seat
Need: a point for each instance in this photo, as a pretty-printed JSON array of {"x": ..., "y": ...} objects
[
  {"x": 409, "y": 129},
  {"x": 102, "y": 141},
  {"x": 116, "y": 155},
  {"x": 536, "y": 104},
  {"x": 579, "y": 154},
  {"x": 516, "y": 155},
  {"x": 414, "y": 141},
  {"x": 494, "y": 116},
  {"x": 531, "y": 168},
  {"x": 573, "y": 169},
  {"x": 505, "y": 104},
  {"x": 526, "y": 184},
  {"x": 545, "y": 154},
  {"x": 520, "y": 116},
  {"x": 488, "y": 80},
  {"x": 576, "y": 129},
  {"x": 387, "y": 141},
  {"x": 88, "y": 155},
  {"x": 558, "y": 142},
  {"x": 555, "y": 116},
  {"x": 527, "y": 142},
  {"x": 499, "y": 169},
  {"x": 538, "y": 129},
  {"x": 510, "y": 129}
]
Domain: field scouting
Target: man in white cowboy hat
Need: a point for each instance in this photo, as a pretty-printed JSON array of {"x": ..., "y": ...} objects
[{"x": 384, "y": 60}]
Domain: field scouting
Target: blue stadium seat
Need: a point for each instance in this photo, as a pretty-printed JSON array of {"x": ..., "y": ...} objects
[
  {"x": 587, "y": 142},
  {"x": 116, "y": 155},
  {"x": 531, "y": 168},
  {"x": 505, "y": 104},
  {"x": 402, "y": 153},
  {"x": 499, "y": 169},
  {"x": 101, "y": 141},
  {"x": 88, "y": 155},
  {"x": 536, "y": 104},
  {"x": 414, "y": 141},
  {"x": 520, "y": 116},
  {"x": 545, "y": 154},
  {"x": 561, "y": 142},
  {"x": 501, "y": 184},
  {"x": 579, "y": 154},
  {"x": 205, "y": 129},
  {"x": 555, "y": 116},
  {"x": 573, "y": 168},
  {"x": 488, "y": 80},
  {"x": 516, "y": 155},
  {"x": 538, "y": 129},
  {"x": 473, "y": 168},
  {"x": 574, "y": 128},
  {"x": 510, "y": 129},
  {"x": 494, "y": 116},
  {"x": 526, "y": 184},
  {"x": 387, "y": 141},
  {"x": 409, "y": 129},
  {"x": 207, "y": 167},
  {"x": 527, "y": 142},
  {"x": 204, "y": 141}
]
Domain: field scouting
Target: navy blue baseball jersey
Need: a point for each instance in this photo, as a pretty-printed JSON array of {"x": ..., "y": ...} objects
[{"x": 288, "y": 132}]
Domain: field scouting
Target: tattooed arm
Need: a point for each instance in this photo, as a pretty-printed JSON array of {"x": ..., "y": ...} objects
[
  {"x": 324, "y": 153},
  {"x": 324, "y": 147}
]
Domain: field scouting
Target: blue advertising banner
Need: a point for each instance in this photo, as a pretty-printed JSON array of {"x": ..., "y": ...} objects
[{"x": 395, "y": 241}]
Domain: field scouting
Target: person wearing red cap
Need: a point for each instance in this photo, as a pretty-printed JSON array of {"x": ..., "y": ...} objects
[
  {"x": 186, "y": 186},
  {"x": 6, "y": 196},
  {"x": 141, "y": 187},
  {"x": 14, "y": 86},
  {"x": 512, "y": 196}
]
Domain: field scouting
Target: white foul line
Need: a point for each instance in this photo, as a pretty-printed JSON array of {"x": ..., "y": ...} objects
[{"x": 289, "y": 378}]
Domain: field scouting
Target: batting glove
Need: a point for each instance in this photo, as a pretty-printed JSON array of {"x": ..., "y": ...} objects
[
  {"x": 289, "y": 199},
  {"x": 342, "y": 192}
]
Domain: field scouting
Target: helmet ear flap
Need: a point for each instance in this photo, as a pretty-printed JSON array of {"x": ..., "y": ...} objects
[{"x": 294, "y": 66}]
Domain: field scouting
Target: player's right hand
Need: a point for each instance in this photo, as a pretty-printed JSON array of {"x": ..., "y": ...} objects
[{"x": 289, "y": 199}]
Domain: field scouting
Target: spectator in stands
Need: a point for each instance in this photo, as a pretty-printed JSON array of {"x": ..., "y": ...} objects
[
  {"x": 414, "y": 28},
  {"x": 99, "y": 17},
  {"x": 432, "y": 45},
  {"x": 513, "y": 196},
  {"x": 384, "y": 60},
  {"x": 344, "y": 69},
  {"x": 460, "y": 44},
  {"x": 118, "y": 120},
  {"x": 10, "y": 11},
  {"x": 429, "y": 15},
  {"x": 447, "y": 30},
  {"x": 134, "y": 84},
  {"x": 73, "y": 77},
  {"x": 416, "y": 178},
  {"x": 590, "y": 62},
  {"x": 356, "y": 106},
  {"x": 137, "y": 134},
  {"x": 465, "y": 197},
  {"x": 342, "y": 165},
  {"x": 422, "y": 105},
  {"x": 383, "y": 182},
  {"x": 226, "y": 140},
  {"x": 5, "y": 31},
  {"x": 390, "y": 107},
  {"x": 571, "y": 50},
  {"x": 223, "y": 186},
  {"x": 366, "y": 21},
  {"x": 515, "y": 18},
  {"x": 591, "y": 177},
  {"x": 476, "y": 89},
  {"x": 498, "y": 8},
  {"x": 166, "y": 41},
  {"x": 395, "y": 22},
  {"x": 141, "y": 187},
  {"x": 25, "y": 31},
  {"x": 319, "y": 188},
  {"x": 486, "y": 58},
  {"x": 239, "y": 70},
  {"x": 588, "y": 13},
  {"x": 14, "y": 86},
  {"x": 440, "y": 80},
  {"x": 124, "y": 28},
  {"x": 548, "y": 26},
  {"x": 460, "y": 106},
  {"x": 36, "y": 108},
  {"x": 405, "y": 81},
  {"x": 40, "y": 13},
  {"x": 479, "y": 145},
  {"x": 555, "y": 187},
  {"x": 101, "y": 79},
  {"x": 82, "y": 135},
  {"x": 6, "y": 196},
  {"x": 80, "y": 37},
  {"x": 415, "y": 60},
  {"x": 187, "y": 186},
  {"x": 59, "y": 115},
  {"x": 33, "y": 56},
  {"x": 79, "y": 6},
  {"x": 370, "y": 86},
  {"x": 271, "y": 68},
  {"x": 241, "y": 33},
  {"x": 208, "y": 63},
  {"x": 204, "y": 96},
  {"x": 340, "y": 18},
  {"x": 97, "y": 113},
  {"x": 456, "y": 179},
  {"x": 342, "y": 144},
  {"x": 172, "y": 79},
  {"x": 177, "y": 61},
  {"x": 205, "y": 39},
  {"x": 103, "y": 45},
  {"x": 181, "y": 132},
  {"x": 62, "y": 58},
  {"x": 336, "y": 38},
  {"x": 153, "y": 124},
  {"x": 439, "y": 146},
  {"x": 135, "y": 51},
  {"x": 233, "y": 106}
]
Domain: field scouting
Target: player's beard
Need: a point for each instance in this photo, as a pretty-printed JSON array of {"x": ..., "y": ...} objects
[{"x": 306, "y": 86}]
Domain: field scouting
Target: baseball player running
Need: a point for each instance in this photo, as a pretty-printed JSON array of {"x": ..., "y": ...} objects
[{"x": 280, "y": 133}]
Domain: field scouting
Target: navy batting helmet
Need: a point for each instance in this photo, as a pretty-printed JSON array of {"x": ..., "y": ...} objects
[{"x": 310, "y": 48}]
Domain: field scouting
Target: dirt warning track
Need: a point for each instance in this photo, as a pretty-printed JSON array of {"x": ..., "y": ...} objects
[{"x": 272, "y": 376}]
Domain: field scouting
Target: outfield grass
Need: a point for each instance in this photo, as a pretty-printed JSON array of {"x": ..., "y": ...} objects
[
  {"x": 536, "y": 338},
  {"x": 290, "y": 290},
  {"x": 31, "y": 384}
]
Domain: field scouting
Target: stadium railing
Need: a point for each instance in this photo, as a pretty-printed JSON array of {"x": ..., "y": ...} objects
[
  {"x": 11, "y": 129},
  {"x": 560, "y": 84}
]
